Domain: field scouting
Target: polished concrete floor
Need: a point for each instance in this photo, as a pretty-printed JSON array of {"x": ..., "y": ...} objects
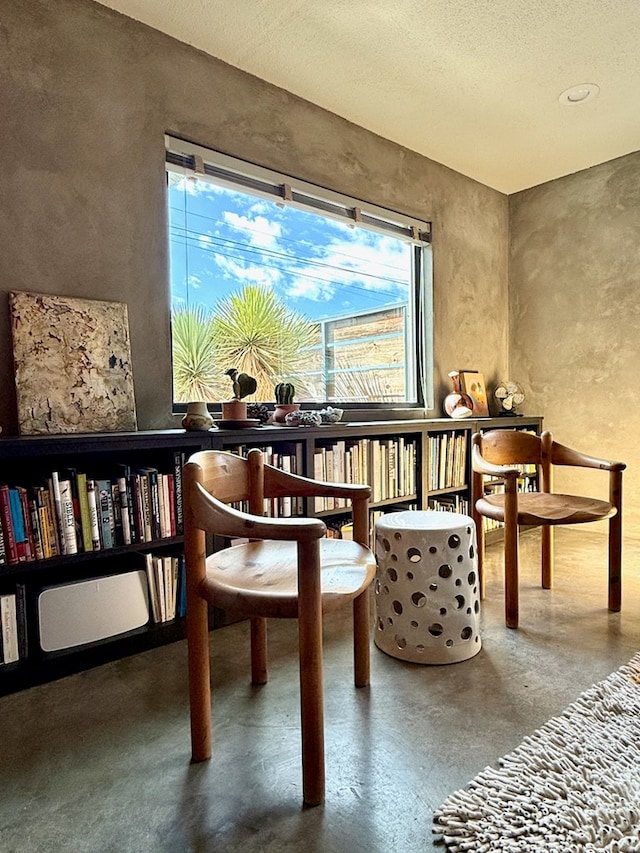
[{"x": 100, "y": 761}]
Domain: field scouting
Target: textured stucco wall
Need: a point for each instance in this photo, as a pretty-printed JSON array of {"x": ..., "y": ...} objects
[
  {"x": 86, "y": 96},
  {"x": 575, "y": 314}
]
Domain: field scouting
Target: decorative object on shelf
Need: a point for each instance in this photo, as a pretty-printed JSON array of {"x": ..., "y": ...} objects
[
  {"x": 239, "y": 423},
  {"x": 300, "y": 418},
  {"x": 243, "y": 385},
  {"x": 83, "y": 345},
  {"x": 509, "y": 396},
  {"x": 197, "y": 417},
  {"x": 258, "y": 411},
  {"x": 331, "y": 415},
  {"x": 472, "y": 384},
  {"x": 457, "y": 404},
  {"x": 284, "y": 392}
]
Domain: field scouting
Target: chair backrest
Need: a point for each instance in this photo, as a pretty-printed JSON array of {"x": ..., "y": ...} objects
[
  {"x": 230, "y": 478},
  {"x": 511, "y": 447}
]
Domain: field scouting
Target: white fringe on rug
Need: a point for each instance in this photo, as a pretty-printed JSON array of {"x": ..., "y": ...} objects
[{"x": 571, "y": 787}]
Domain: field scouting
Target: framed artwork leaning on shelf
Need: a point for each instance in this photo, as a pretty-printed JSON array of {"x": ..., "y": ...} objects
[
  {"x": 472, "y": 384},
  {"x": 72, "y": 364}
]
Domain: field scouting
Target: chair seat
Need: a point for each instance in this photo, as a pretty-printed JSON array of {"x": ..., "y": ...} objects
[
  {"x": 261, "y": 578},
  {"x": 544, "y": 508}
]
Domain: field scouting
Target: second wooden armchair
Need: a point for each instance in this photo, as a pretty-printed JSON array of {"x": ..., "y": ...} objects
[
  {"x": 498, "y": 453},
  {"x": 287, "y": 570}
]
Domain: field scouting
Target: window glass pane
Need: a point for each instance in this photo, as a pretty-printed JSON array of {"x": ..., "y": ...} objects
[{"x": 286, "y": 295}]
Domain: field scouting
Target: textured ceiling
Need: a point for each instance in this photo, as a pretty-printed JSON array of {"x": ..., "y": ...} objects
[{"x": 473, "y": 84}]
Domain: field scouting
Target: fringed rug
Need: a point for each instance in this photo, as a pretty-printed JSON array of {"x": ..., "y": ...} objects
[{"x": 571, "y": 787}]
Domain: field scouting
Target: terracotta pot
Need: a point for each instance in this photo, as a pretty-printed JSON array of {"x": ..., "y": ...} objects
[
  {"x": 197, "y": 417},
  {"x": 282, "y": 410},
  {"x": 234, "y": 410}
]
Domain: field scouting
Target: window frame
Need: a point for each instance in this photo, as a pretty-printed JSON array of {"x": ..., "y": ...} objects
[{"x": 240, "y": 175}]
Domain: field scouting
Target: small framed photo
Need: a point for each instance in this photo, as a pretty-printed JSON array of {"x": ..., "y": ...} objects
[{"x": 472, "y": 384}]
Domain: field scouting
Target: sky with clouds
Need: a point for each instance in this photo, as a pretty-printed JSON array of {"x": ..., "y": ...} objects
[{"x": 221, "y": 239}]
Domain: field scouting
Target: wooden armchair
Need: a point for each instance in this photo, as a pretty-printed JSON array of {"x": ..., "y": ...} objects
[
  {"x": 497, "y": 453},
  {"x": 287, "y": 570}
]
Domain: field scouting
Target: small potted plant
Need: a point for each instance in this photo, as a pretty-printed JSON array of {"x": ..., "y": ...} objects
[
  {"x": 243, "y": 385},
  {"x": 284, "y": 392}
]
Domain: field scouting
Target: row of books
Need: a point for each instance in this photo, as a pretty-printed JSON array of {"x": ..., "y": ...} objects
[
  {"x": 73, "y": 513},
  {"x": 166, "y": 580},
  {"x": 450, "y": 503},
  {"x": 447, "y": 460},
  {"x": 13, "y": 626},
  {"x": 387, "y": 465}
]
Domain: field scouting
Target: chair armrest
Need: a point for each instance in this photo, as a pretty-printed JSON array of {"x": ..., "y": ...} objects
[
  {"x": 561, "y": 455},
  {"x": 278, "y": 483},
  {"x": 216, "y": 517},
  {"x": 481, "y": 466}
]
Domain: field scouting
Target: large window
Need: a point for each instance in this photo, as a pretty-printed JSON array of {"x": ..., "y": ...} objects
[{"x": 290, "y": 282}]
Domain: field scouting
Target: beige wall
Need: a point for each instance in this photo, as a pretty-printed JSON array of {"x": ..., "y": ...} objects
[
  {"x": 575, "y": 314},
  {"x": 86, "y": 96}
]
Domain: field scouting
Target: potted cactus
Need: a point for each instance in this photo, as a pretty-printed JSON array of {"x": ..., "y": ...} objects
[
  {"x": 284, "y": 392},
  {"x": 243, "y": 385}
]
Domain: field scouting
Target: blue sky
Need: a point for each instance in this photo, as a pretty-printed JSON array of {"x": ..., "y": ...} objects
[{"x": 222, "y": 239}]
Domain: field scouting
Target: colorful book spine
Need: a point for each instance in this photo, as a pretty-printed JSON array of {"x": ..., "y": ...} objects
[
  {"x": 17, "y": 519},
  {"x": 105, "y": 512},
  {"x": 7, "y": 525},
  {"x": 85, "y": 512}
]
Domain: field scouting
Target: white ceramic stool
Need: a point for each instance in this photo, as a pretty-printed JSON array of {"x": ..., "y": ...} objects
[{"x": 426, "y": 589}]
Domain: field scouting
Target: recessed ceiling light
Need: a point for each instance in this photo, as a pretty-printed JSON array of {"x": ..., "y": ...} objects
[{"x": 579, "y": 94}]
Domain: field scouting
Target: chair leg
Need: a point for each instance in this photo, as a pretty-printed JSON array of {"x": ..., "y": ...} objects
[
  {"x": 480, "y": 541},
  {"x": 511, "y": 575},
  {"x": 548, "y": 542},
  {"x": 615, "y": 562},
  {"x": 258, "y": 650},
  {"x": 311, "y": 681},
  {"x": 199, "y": 678},
  {"x": 361, "y": 639}
]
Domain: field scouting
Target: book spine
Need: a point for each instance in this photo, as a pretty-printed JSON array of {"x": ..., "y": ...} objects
[
  {"x": 85, "y": 512},
  {"x": 7, "y": 525},
  {"x": 30, "y": 545},
  {"x": 105, "y": 512},
  {"x": 36, "y": 529},
  {"x": 3, "y": 549},
  {"x": 116, "y": 525},
  {"x": 68, "y": 518},
  {"x": 151, "y": 583},
  {"x": 17, "y": 519},
  {"x": 9, "y": 620},
  {"x": 94, "y": 515},
  {"x": 136, "y": 505},
  {"x": 178, "y": 462},
  {"x": 57, "y": 505},
  {"x": 21, "y": 615},
  {"x": 171, "y": 502},
  {"x": 125, "y": 519},
  {"x": 48, "y": 522}
]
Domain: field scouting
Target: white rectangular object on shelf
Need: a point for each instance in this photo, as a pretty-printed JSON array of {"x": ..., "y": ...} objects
[{"x": 77, "y": 613}]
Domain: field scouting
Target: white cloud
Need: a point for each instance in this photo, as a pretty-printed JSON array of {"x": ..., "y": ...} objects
[
  {"x": 266, "y": 276},
  {"x": 259, "y": 230}
]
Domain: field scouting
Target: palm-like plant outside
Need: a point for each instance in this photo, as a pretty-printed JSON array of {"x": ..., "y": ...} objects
[
  {"x": 195, "y": 372},
  {"x": 256, "y": 332},
  {"x": 251, "y": 330}
]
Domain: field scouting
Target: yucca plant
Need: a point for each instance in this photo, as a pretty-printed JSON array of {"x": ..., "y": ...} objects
[
  {"x": 258, "y": 333},
  {"x": 195, "y": 371}
]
